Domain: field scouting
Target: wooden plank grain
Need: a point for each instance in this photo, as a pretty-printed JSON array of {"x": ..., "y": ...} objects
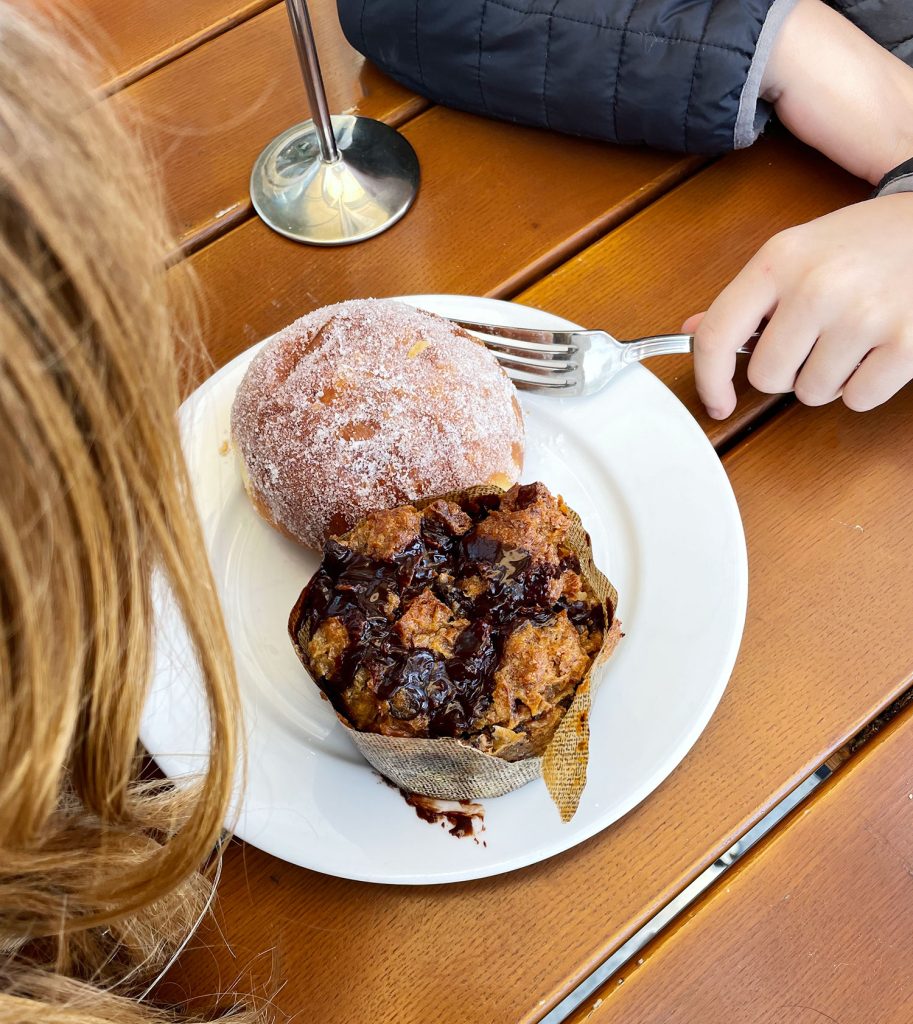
[
  {"x": 674, "y": 258},
  {"x": 134, "y": 37},
  {"x": 206, "y": 117},
  {"x": 827, "y": 501},
  {"x": 498, "y": 206},
  {"x": 815, "y": 926}
]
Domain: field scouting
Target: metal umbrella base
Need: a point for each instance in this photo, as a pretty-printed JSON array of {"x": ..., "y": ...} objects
[{"x": 368, "y": 187}]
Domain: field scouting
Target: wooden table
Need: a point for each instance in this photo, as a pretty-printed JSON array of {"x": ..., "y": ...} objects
[{"x": 813, "y": 925}]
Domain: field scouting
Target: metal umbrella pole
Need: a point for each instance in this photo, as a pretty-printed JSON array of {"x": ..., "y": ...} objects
[{"x": 336, "y": 178}]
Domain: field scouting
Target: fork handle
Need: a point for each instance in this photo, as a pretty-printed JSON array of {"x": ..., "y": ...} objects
[{"x": 670, "y": 344}]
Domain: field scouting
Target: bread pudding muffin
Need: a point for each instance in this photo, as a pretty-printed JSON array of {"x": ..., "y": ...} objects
[{"x": 468, "y": 618}]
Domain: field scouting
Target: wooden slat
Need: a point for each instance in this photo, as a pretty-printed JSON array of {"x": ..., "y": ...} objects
[
  {"x": 499, "y": 204},
  {"x": 673, "y": 259},
  {"x": 136, "y": 36},
  {"x": 816, "y": 926},
  {"x": 827, "y": 500},
  {"x": 206, "y": 116}
]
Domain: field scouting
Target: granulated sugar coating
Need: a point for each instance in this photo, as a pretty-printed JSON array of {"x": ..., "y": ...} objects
[{"x": 366, "y": 405}]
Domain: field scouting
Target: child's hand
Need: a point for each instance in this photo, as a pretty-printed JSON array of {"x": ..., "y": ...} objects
[{"x": 838, "y": 295}]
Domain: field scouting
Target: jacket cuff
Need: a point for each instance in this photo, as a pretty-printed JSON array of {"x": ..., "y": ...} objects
[
  {"x": 754, "y": 112},
  {"x": 900, "y": 179}
]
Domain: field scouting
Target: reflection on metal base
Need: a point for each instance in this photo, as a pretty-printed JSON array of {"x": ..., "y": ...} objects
[{"x": 365, "y": 191}]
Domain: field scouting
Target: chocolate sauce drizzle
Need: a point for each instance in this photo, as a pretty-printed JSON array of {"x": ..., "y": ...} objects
[{"x": 452, "y": 691}]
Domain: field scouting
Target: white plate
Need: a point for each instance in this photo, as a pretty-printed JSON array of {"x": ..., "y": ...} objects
[{"x": 665, "y": 529}]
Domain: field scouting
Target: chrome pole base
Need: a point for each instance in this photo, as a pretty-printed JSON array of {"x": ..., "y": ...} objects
[{"x": 364, "y": 192}]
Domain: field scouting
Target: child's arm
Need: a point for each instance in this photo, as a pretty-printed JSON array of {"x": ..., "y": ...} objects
[
  {"x": 836, "y": 291},
  {"x": 840, "y": 91}
]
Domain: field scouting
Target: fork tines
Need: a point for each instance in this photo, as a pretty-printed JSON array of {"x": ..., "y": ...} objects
[
  {"x": 533, "y": 359},
  {"x": 523, "y": 340}
]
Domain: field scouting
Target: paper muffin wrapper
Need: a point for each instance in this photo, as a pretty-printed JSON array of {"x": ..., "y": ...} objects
[{"x": 453, "y": 769}]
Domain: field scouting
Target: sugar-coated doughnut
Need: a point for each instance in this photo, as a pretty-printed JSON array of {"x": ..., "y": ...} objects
[{"x": 366, "y": 405}]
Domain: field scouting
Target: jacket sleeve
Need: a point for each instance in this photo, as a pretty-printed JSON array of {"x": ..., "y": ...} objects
[
  {"x": 675, "y": 74},
  {"x": 889, "y": 22}
]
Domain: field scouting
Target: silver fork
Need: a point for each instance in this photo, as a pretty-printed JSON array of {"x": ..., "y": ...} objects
[{"x": 573, "y": 362}]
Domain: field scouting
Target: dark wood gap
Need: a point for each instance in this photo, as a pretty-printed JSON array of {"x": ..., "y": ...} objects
[
  {"x": 835, "y": 765},
  {"x": 674, "y": 178},
  {"x": 764, "y": 415},
  {"x": 575, "y": 244},
  {"x": 187, "y": 45}
]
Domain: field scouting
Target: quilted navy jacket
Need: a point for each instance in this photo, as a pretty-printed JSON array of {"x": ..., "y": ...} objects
[{"x": 677, "y": 74}]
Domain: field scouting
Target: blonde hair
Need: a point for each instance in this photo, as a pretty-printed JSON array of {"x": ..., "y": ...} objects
[{"x": 98, "y": 868}]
